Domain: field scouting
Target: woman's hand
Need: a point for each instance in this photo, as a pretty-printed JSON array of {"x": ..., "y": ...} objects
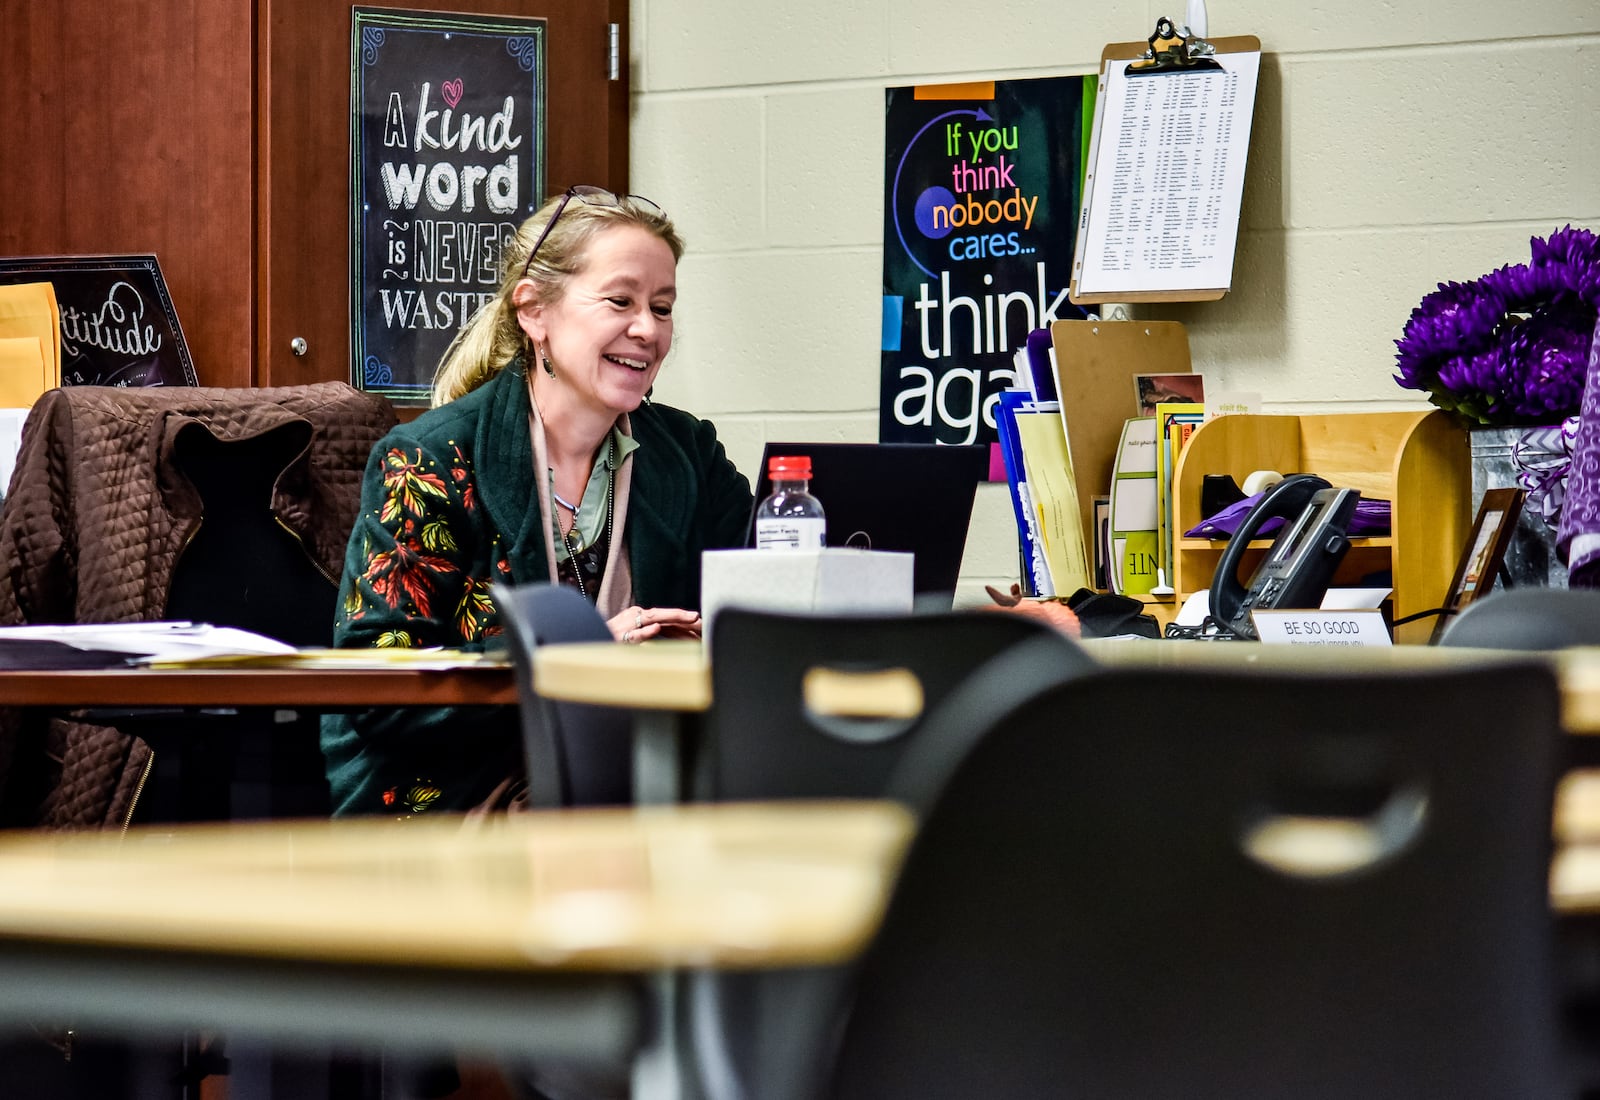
[{"x": 640, "y": 624}]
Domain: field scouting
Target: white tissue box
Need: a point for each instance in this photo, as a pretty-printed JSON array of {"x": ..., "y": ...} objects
[{"x": 828, "y": 581}]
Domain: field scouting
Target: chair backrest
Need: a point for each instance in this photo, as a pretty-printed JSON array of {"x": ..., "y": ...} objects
[
  {"x": 764, "y": 736},
  {"x": 1101, "y": 900},
  {"x": 771, "y": 733},
  {"x": 1528, "y": 618},
  {"x": 577, "y": 755},
  {"x": 242, "y": 567}
]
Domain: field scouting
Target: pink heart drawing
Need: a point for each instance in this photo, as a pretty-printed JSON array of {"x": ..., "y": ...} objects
[{"x": 451, "y": 90}]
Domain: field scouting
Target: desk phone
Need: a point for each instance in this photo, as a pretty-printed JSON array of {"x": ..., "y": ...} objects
[{"x": 1302, "y": 560}]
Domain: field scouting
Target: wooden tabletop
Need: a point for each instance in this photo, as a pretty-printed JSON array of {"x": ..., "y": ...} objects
[
  {"x": 632, "y": 890},
  {"x": 676, "y": 676},
  {"x": 668, "y": 675},
  {"x": 574, "y": 891},
  {"x": 269, "y": 687}
]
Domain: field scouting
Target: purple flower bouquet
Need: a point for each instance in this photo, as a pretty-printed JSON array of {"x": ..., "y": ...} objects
[{"x": 1512, "y": 347}]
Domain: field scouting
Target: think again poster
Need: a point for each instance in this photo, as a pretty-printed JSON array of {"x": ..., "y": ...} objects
[{"x": 983, "y": 184}]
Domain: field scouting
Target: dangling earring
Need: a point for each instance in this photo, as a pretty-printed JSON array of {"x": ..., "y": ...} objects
[
  {"x": 544, "y": 361},
  {"x": 648, "y": 393}
]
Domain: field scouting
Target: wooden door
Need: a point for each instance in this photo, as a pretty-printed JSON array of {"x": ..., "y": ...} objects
[
  {"x": 127, "y": 128},
  {"x": 215, "y": 133},
  {"x": 303, "y": 259}
]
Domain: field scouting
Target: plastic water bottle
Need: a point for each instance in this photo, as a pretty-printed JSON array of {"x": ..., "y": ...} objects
[{"x": 791, "y": 518}]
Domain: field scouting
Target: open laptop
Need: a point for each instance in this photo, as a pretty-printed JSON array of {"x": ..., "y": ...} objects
[{"x": 913, "y": 497}]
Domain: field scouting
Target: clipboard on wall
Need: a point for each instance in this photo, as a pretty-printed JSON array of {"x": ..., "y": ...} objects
[{"x": 1165, "y": 174}]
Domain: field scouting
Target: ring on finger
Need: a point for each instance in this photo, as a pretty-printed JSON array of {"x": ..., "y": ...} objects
[
  {"x": 638, "y": 619},
  {"x": 627, "y": 636}
]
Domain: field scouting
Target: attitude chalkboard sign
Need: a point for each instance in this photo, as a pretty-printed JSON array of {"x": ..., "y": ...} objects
[
  {"x": 118, "y": 327},
  {"x": 447, "y": 160}
]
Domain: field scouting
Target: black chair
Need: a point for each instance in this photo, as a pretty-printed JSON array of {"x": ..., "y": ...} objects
[
  {"x": 577, "y": 755},
  {"x": 763, "y": 739},
  {"x": 1528, "y": 619},
  {"x": 242, "y": 568},
  {"x": 1100, "y": 901}
]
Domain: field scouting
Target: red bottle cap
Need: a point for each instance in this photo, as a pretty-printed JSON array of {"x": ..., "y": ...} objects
[{"x": 789, "y": 468}]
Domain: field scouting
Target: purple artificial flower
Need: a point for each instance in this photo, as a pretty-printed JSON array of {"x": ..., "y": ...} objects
[
  {"x": 1510, "y": 347},
  {"x": 1547, "y": 358}
]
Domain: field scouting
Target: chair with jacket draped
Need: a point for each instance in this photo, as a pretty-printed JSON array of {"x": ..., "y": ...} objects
[
  {"x": 228, "y": 506},
  {"x": 132, "y": 505}
]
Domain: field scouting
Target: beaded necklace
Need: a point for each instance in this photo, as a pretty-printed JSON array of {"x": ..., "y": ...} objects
[{"x": 611, "y": 511}]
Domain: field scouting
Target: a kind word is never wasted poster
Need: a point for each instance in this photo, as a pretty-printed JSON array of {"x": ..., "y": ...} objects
[
  {"x": 447, "y": 159},
  {"x": 983, "y": 184}
]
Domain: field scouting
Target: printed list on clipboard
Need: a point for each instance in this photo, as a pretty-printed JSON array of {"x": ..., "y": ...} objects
[{"x": 1166, "y": 177}]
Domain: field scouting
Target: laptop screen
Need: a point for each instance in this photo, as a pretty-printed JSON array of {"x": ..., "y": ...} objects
[{"x": 914, "y": 497}]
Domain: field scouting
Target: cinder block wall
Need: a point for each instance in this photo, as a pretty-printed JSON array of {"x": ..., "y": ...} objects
[{"x": 1394, "y": 146}]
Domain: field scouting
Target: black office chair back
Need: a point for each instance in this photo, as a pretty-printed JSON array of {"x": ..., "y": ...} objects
[
  {"x": 1528, "y": 619},
  {"x": 242, "y": 568},
  {"x": 755, "y": 1035},
  {"x": 577, "y": 755},
  {"x": 1099, "y": 901},
  {"x": 764, "y": 738}
]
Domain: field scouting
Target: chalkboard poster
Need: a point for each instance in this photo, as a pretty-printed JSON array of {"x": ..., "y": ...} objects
[
  {"x": 118, "y": 327},
  {"x": 447, "y": 159}
]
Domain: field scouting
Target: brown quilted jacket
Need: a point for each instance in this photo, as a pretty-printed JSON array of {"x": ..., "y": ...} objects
[{"x": 94, "y": 521}]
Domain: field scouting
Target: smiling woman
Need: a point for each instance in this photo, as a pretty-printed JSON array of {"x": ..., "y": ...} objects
[{"x": 542, "y": 460}]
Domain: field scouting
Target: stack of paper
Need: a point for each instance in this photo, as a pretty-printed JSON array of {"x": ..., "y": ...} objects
[
  {"x": 156, "y": 640},
  {"x": 1044, "y": 493}
]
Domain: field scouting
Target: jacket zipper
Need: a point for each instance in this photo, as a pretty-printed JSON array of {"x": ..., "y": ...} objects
[{"x": 138, "y": 789}]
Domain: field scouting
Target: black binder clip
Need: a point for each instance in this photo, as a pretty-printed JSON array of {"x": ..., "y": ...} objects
[{"x": 1171, "y": 52}]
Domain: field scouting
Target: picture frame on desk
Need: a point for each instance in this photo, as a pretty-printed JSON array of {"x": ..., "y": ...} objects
[{"x": 1484, "y": 554}]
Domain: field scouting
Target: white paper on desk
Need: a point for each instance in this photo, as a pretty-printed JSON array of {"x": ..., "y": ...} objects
[
  {"x": 1198, "y": 605},
  {"x": 165, "y": 640},
  {"x": 1354, "y": 599}
]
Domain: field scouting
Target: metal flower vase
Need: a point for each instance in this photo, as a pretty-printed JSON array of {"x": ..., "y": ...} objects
[{"x": 1535, "y": 459}]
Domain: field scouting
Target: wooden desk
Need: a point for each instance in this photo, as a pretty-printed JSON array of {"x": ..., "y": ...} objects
[
  {"x": 517, "y": 935},
  {"x": 250, "y": 687},
  {"x": 676, "y": 676}
]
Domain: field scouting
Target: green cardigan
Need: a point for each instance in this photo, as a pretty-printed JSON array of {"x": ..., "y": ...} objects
[{"x": 450, "y": 505}]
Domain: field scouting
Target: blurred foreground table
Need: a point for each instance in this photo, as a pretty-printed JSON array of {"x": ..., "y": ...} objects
[{"x": 530, "y": 935}]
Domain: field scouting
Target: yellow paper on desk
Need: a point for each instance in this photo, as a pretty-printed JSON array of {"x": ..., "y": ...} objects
[
  {"x": 29, "y": 311},
  {"x": 1054, "y": 495},
  {"x": 24, "y": 375}
]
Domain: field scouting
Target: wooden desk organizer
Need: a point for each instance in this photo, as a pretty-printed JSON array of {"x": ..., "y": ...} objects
[{"x": 1419, "y": 461}]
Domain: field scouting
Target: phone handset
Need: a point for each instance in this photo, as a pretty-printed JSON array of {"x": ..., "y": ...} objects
[{"x": 1302, "y": 560}]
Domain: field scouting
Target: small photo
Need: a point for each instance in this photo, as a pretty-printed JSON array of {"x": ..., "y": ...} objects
[{"x": 1153, "y": 389}]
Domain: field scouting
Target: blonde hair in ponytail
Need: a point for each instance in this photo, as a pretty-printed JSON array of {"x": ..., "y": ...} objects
[{"x": 492, "y": 338}]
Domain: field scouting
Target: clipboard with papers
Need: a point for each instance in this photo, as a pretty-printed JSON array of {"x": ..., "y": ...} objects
[{"x": 1165, "y": 174}]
